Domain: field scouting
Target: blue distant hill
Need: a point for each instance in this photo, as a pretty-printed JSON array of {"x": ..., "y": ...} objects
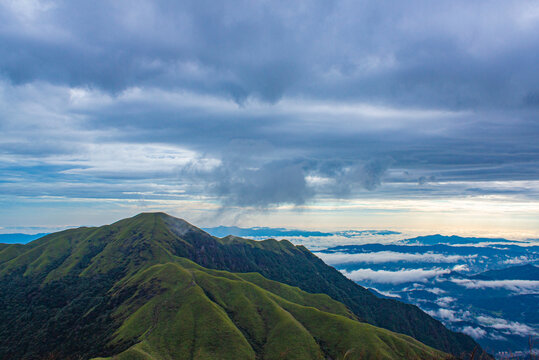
[
  {"x": 522, "y": 272},
  {"x": 266, "y": 232},
  {"x": 222, "y": 231},
  {"x": 453, "y": 240},
  {"x": 19, "y": 238}
]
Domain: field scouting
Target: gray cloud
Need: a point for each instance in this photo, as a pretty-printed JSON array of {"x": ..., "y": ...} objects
[
  {"x": 83, "y": 135},
  {"x": 366, "y": 176},
  {"x": 275, "y": 103},
  {"x": 406, "y": 53},
  {"x": 273, "y": 183}
]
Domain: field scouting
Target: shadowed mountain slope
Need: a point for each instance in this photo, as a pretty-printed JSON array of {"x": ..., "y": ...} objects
[{"x": 115, "y": 283}]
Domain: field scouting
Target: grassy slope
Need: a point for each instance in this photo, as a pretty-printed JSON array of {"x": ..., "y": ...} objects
[
  {"x": 207, "y": 314},
  {"x": 132, "y": 245},
  {"x": 9, "y": 251},
  {"x": 297, "y": 266}
]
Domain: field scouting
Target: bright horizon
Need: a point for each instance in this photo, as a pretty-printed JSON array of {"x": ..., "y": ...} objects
[{"x": 306, "y": 220}]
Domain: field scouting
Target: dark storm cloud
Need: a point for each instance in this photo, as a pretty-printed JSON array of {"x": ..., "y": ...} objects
[
  {"x": 278, "y": 102},
  {"x": 273, "y": 183},
  {"x": 411, "y": 53},
  {"x": 251, "y": 181}
]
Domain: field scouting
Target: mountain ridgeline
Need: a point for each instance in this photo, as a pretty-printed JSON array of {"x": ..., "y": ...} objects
[{"x": 155, "y": 287}]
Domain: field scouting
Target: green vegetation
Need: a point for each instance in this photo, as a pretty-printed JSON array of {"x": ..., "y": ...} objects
[
  {"x": 204, "y": 314},
  {"x": 156, "y": 287}
]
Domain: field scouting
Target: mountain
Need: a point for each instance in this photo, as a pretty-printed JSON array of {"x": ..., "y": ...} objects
[
  {"x": 156, "y": 287},
  {"x": 222, "y": 231},
  {"x": 471, "y": 289},
  {"x": 18, "y": 238},
  {"x": 265, "y": 232},
  {"x": 453, "y": 240},
  {"x": 522, "y": 272},
  {"x": 395, "y": 257}
]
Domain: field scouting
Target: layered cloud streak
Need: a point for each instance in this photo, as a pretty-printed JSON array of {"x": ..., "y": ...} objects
[{"x": 389, "y": 256}]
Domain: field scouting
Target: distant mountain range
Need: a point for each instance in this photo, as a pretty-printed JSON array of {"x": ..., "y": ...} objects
[
  {"x": 267, "y": 232},
  {"x": 18, "y": 238},
  {"x": 157, "y": 287},
  {"x": 282, "y": 233},
  {"x": 490, "y": 292},
  {"x": 453, "y": 240},
  {"x": 524, "y": 272}
]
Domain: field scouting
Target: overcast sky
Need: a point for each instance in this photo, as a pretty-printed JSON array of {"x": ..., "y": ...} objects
[{"x": 414, "y": 115}]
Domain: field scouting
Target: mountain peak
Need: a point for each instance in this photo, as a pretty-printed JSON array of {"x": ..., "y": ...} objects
[
  {"x": 151, "y": 220},
  {"x": 130, "y": 250},
  {"x": 153, "y": 215},
  {"x": 178, "y": 226}
]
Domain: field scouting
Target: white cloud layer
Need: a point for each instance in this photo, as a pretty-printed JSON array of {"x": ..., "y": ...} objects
[
  {"x": 394, "y": 277},
  {"x": 387, "y": 293},
  {"x": 460, "y": 267},
  {"x": 507, "y": 327},
  {"x": 445, "y": 314},
  {"x": 445, "y": 301},
  {"x": 435, "y": 291},
  {"x": 389, "y": 256},
  {"x": 476, "y": 333},
  {"x": 518, "y": 260},
  {"x": 517, "y": 286}
]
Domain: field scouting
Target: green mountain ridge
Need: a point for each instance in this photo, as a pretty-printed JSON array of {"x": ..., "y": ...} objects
[
  {"x": 156, "y": 287},
  {"x": 230, "y": 317}
]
